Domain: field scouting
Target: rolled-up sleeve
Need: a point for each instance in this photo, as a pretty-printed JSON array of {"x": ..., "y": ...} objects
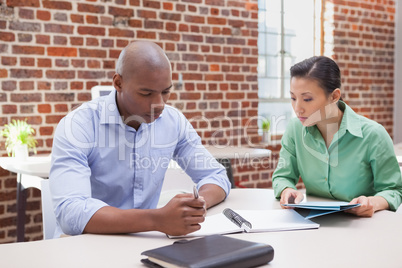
[
  {"x": 70, "y": 177},
  {"x": 385, "y": 167},
  {"x": 286, "y": 174}
]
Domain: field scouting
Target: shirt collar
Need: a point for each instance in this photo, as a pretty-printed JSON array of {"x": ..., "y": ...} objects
[
  {"x": 110, "y": 114},
  {"x": 350, "y": 122}
]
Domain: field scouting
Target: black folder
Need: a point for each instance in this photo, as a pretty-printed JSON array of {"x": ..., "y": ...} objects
[{"x": 210, "y": 251}]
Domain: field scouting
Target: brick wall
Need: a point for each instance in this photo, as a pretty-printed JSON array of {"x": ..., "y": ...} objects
[
  {"x": 361, "y": 37},
  {"x": 53, "y": 52}
]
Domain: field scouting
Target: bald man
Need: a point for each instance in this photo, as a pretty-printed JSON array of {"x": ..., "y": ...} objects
[{"x": 110, "y": 156}]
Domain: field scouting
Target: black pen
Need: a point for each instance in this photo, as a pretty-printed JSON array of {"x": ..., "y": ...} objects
[{"x": 195, "y": 191}]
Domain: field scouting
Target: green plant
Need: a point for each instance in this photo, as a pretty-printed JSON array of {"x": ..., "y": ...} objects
[
  {"x": 19, "y": 132},
  {"x": 266, "y": 124}
]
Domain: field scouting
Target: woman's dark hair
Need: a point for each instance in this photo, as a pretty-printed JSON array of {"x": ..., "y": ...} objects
[{"x": 321, "y": 69}]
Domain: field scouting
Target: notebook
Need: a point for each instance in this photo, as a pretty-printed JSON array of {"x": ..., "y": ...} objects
[
  {"x": 314, "y": 209},
  {"x": 230, "y": 221},
  {"x": 210, "y": 251}
]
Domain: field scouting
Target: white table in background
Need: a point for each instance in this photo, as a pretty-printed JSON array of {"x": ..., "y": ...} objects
[
  {"x": 342, "y": 240},
  {"x": 29, "y": 174}
]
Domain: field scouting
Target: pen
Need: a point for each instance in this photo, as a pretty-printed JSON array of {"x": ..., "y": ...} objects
[{"x": 195, "y": 192}]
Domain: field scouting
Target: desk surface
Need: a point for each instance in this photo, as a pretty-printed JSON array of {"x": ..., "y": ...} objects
[{"x": 342, "y": 240}]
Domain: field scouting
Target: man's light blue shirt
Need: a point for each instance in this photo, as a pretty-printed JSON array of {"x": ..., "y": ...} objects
[{"x": 97, "y": 161}]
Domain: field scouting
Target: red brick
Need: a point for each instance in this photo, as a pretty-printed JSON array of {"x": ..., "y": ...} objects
[
  {"x": 152, "y": 24},
  {"x": 76, "y": 18},
  {"x": 63, "y": 74},
  {"x": 31, "y": 97},
  {"x": 59, "y": 28},
  {"x": 76, "y": 41},
  {"x": 76, "y": 85},
  {"x": 99, "y": 9},
  {"x": 146, "y": 35},
  {"x": 169, "y": 36},
  {"x": 44, "y": 85},
  {"x": 59, "y": 97},
  {"x": 134, "y": 2},
  {"x": 170, "y": 26},
  {"x": 214, "y": 20},
  {"x": 194, "y": 19},
  {"x": 62, "y": 51},
  {"x": 170, "y": 16},
  {"x": 121, "y": 32},
  {"x": 3, "y": 73},
  {"x": 46, "y": 131},
  {"x": 28, "y": 50},
  {"x": 146, "y": 14},
  {"x": 92, "y": 42},
  {"x": 10, "y": 61},
  {"x": 9, "y": 109},
  {"x": 92, "y": 19},
  {"x": 42, "y": 39},
  {"x": 21, "y": 3},
  {"x": 62, "y": 5},
  {"x": 58, "y": 108},
  {"x": 91, "y": 30},
  {"x": 53, "y": 119},
  {"x": 151, "y": 4},
  {"x": 27, "y": 85},
  {"x": 91, "y": 74},
  {"x": 92, "y": 53},
  {"x": 121, "y": 12},
  {"x": 43, "y": 15},
  {"x": 168, "y": 6},
  {"x": 135, "y": 23},
  {"x": 26, "y": 14},
  {"x": 44, "y": 108},
  {"x": 7, "y": 36},
  {"x": 25, "y": 73},
  {"x": 46, "y": 63},
  {"x": 213, "y": 77}
]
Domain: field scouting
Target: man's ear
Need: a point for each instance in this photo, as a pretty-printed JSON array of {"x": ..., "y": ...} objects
[
  {"x": 336, "y": 95},
  {"x": 117, "y": 81}
]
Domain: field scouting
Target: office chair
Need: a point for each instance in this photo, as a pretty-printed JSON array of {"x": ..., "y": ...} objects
[
  {"x": 99, "y": 91},
  {"x": 229, "y": 171},
  {"x": 48, "y": 217}
]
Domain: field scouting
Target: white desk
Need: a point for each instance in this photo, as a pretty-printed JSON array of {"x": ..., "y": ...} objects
[
  {"x": 342, "y": 240},
  {"x": 29, "y": 174}
]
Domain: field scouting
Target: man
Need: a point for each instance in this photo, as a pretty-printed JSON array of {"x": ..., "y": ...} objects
[{"x": 110, "y": 155}]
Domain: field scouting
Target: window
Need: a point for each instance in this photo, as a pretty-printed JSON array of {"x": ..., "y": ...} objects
[{"x": 289, "y": 32}]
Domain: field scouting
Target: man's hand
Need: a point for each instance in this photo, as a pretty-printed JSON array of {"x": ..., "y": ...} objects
[
  {"x": 290, "y": 196},
  {"x": 182, "y": 215}
]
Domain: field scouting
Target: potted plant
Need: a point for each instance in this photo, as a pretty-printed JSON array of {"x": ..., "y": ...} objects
[
  {"x": 266, "y": 135},
  {"x": 19, "y": 138}
]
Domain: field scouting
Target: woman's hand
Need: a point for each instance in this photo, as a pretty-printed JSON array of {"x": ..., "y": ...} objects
[
  {"x": 290, "y": 196},
  {"x": 368, "y": 205}
]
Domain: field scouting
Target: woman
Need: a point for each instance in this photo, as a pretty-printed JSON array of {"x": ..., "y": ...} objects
[{"x": 337, "y": 153}]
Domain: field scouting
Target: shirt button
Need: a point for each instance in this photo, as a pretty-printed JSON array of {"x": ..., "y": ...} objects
[{"x": 326, "y": 179}]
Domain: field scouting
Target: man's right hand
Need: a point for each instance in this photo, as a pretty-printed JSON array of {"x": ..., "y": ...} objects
[{"x": 182, "y": 215}]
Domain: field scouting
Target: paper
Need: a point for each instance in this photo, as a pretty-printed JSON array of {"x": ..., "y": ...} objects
[{"x": 261, "y": 220}]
